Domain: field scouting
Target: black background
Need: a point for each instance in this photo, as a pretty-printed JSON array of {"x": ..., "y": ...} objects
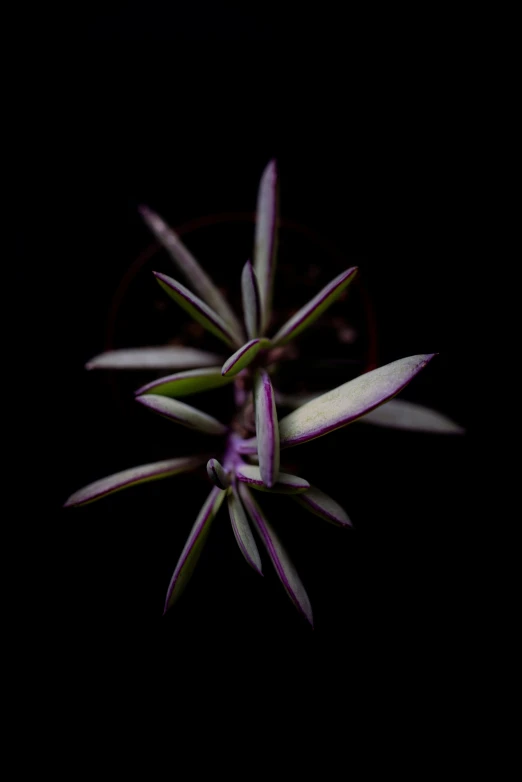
[{"x": 378, "y": 159}]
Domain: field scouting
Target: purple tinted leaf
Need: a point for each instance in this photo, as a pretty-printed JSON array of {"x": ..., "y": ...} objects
[
  {"x": 315, "y": 307},
  {"x": 195, "y": 276},
  {"x": 132, "y": 477},
  {"x": 242, "y": 532},
  {"x": 286, "y": 484},
  {"x": 243, "y": 357},
  {"x": 267, "y": 429},
  {"x": 198, "y": 310},
  {"x": 251, "y": 301},
  {"x": 192, "y": 381},
  {"x": 322, "y": 505},
  {"x": 217, "y": 474},
  {"x": 350, "y": 401},
  {"x": 280, "y": 559},
  {"x": 399, "y": 414},
  {"x": 265, "y": 246},
  {"x": 248, "y": 446},
  {"x": 194, "y": 546},
  {"x": 183, "y": 414},
  {"x": 162, "y": 357}
]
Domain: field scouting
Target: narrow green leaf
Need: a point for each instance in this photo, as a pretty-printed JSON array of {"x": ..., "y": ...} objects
[
  {"x": 251, "y": 301},
  {"x": 183, "y": 414},
  {"x": 132, "y": 477},
  {"x": 267, "y": 429},
  {"x": 192, "y": 381},
  {"x": 349, "y": 401},
  {"x": 319, "y": 503},
  {"x": 315, "y": 307},
  {"x": 286, "y": 484},
  {"x": 265, "y": 246},
  {"x": 193, "y": 273},
  {"x": 198, "y": 310},
  {"x": 242, "y": 532},
  {"x": 399, "y": 414},
  {"x": 278, "y": 556},
  {"x": 194, "y": 546},
  {"x": 243, "y": 357},
  {"x": 162, "y": 357}
]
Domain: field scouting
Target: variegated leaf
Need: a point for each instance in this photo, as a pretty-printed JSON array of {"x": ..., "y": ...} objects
[
  {"x": 251, "y": 301},
  {"x": 217, "y": 474},
  {"x": 319, "y": 503},
  {"x": 267, "y": 429},
  {"x": 278, "y": 556},
  {"x": 400, "y": 414},
  {"x": 193, "y": 273},
  {"x": 242, "y": 532},
  {"x": 132, "y": 477},
  {"x": 161, "y": 357},
  {"x": 243, "y": 357},
  {"x": 193, "y": 381},
  {"x": 265, "y": 247},
  {"x": 286, "y": 484},
  {"x": 349, "y": 401},
  {"x": 198, "y": 310},
  {"x": 194, "y": 546},
  {"x": 315, "y": 307},
  {"x": 183, "y": 414}
]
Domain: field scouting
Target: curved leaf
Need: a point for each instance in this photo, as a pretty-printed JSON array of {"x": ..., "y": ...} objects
[
  {"x": 267, "y": 429},
  {"x": 280, "y": 559},
  {"x": 319, "y": 503},
  {"x": 399, "y": 414},
  {"x": 132, "y": 477},
  {"x": 315, "y": 307},
  {"x": 350, "y": 401},
  {"x": 183, "y": 414},
  {"x": 190, "y": 268},
  {"x": 193, "y": 546},
  {"x": 198, "y": 310},
  {"x": 162, "y": 357},
  {"x": 184, "y": 383},
  {"x": 251, "y": 301},
  {"x": 242, "y": 532},
  {"x": 217, "y": 474},
  {"x": 286, "y": 484},
  {"x": 243, "y": 357},
  {"x": 265, "y": 246}
]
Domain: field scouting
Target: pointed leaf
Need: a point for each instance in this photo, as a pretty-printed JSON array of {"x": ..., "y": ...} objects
[
  {"x": 287, "y": 484},
  {"x": 162, "y": 357},
  {"x": 251, "y": 301},
  {"x": 132, "y": 477},
  {"x": 350, "y": 401},
  {"x": 198, "y": 310},
  {"x": 248, "y": 446},
  {"x": 319, "y": 503},
  {"x": 183, "y": 414},
  {"x": 217, "y": 474},
  {"x": 267, "y": 428},
  {"x": 399, "y": 414},
  {"x": 243, "y": 357},
  {"x": 193, "y": 273},
  {"x": 265, "y": 246},
  {"x": 280, "y": 559},
  {"x": 242, "y": 532},
  {"x": 194, "y": 546},
  {"x": 192, "y": 381},
  {"x": 315, "y": 307}
]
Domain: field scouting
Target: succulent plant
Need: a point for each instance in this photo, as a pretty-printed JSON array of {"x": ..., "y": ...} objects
[{"x": 250, "y": 445}]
